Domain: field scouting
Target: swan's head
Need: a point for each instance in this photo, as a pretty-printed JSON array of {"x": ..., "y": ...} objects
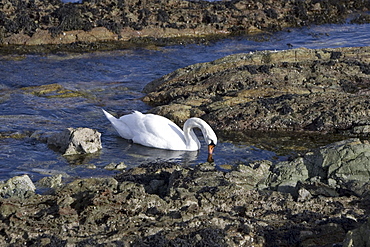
[{"x": 211, "y": 146}]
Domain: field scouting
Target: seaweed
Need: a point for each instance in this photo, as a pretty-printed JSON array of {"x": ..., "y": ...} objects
[
  {"x": 112, "y": 26},
  {"x": 70, "y": 18}
]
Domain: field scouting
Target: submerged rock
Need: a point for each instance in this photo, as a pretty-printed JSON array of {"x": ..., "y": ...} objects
[
  {"x": 52, "y": 91},
  {"x": 76, "y": 141},
  {"x": 112, "y": 166}
]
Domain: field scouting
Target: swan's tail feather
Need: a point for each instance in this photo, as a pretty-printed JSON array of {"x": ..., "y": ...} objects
[
  {"x": 120, "y": 126},
  {"x": 109, "y": 116},
  {"x": 114, "y": 121}
]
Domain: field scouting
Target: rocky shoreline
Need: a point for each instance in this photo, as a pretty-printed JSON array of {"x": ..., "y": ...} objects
[
  {"x": 323, "y": 201},
  {"x": 320, "y": 198},
  {"x": 302, "y": 90},
  {"x": 51, "y": 25}
]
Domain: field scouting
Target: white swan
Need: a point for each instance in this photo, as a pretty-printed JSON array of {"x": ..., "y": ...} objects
[{"x": 159, "y": 132}]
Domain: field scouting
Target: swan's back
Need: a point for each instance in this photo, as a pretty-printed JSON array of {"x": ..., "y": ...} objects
[
  {"x": 160, "y": 132},
  {"x": 149, "y": 130}
]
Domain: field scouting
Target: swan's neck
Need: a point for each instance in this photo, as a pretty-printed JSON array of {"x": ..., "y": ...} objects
[{"x": 191, "y": 140}]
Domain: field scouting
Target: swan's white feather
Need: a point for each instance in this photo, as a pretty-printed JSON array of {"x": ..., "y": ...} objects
[
  {"x": 155, "y": 131},
  {"x": 120, "y": 125}
]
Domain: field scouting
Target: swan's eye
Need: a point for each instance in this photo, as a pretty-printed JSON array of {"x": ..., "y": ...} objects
[{"x": 212, "y": 143}]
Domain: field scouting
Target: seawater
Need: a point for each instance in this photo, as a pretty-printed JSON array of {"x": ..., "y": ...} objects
[{"x": 114, "y": 80}]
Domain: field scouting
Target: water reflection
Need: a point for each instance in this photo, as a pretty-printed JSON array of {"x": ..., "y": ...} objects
[
  {"x": 210, "y": 158},
  {"x": 142, "y": 153}
]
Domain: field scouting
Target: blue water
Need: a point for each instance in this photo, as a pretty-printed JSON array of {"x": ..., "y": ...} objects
[{"x": 114, "y": 80}]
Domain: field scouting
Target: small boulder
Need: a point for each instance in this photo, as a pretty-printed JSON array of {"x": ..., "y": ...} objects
[
  {"x": 76, "y": 141},
  {"x": 285, "y": 176},
  {"x": 51, "y": 182},
  {"x": 19, "y": 186},
  {"x": 112, "y": 166},
  {"x": 346, "y": 162},
  {"x": 250, "y": 175}
]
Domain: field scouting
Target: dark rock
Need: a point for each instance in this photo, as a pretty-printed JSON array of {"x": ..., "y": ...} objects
[
  {"x": 54, "y": 22},
  {"x": 361, "y": 19},
  {"x": 358, "y": 236},
  {"x": 165, "y": 204},
  {"x": 291, "y": 90}
]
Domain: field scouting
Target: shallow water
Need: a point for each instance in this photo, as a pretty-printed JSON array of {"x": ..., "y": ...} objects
[{"x": 113, "y": 81}]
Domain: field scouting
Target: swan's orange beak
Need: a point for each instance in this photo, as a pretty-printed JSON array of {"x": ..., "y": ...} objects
[{"x": 210, "y": 148}]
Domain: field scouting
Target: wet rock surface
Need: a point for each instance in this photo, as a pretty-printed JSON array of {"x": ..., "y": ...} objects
[
  {"x": 323, "y": 90},
  {"x": 84, "y": 24},
  {"x": 165, "y": 204}
]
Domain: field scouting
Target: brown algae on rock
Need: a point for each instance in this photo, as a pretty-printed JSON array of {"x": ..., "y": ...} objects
[{"x": 53, "y": 91}]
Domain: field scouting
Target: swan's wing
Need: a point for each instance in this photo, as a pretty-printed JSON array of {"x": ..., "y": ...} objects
[
  {"x": 149, "y": 130},
  {"x": 160, "y": 132}
]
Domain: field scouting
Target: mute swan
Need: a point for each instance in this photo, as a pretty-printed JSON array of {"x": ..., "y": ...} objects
[{"x": 159, "y": 132}]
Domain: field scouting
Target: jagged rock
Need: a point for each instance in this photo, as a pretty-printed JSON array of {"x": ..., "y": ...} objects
[
  {"x": 315, "y": 188},
  {"x": 166, "y": 204},
  {"x": 364, "y": 130},
  {"x": 285, "y": 176},
  {"x": 112, "y": 166},
  {"x": 347, "y": 162},
  {"x": 292, "y": 90},
  {"x": 93, "y": 185},
  {"x": 76, "y": 141},
  {"x": 303, "y": 195},
  {"x": 250, "y": 176},
  {"x": 330, "y": 234},
  {"x": 359, "y": 236},
  {"x": 19, "y": 186},
  {"x": 55, "y": 22},
  {"x": 51, "y": 182},
  {"x": 341, "y": 165}
]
